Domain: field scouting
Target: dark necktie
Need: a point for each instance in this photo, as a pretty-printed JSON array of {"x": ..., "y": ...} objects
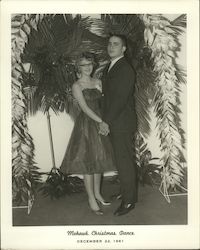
[{"x": 108, "y": 66}]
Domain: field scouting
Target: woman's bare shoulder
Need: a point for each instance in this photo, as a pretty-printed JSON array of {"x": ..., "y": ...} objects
[
  {"x": 76, "y": 88},
  {"x": 76, "y": 85}
]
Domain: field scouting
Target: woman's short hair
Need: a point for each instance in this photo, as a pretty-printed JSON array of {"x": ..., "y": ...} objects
[
  {"x": 84, "y": 55},
  {"x": 88, "y": 56}
]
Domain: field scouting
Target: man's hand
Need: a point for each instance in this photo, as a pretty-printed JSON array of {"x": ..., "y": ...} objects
[{"x": 104, "y": 128}]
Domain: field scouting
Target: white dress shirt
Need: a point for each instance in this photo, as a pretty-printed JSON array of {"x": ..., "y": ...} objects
[{"x": 114, "y": 61}]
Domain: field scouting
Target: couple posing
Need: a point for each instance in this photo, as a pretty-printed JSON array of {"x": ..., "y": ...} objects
[{"x": 102, "y": 138}]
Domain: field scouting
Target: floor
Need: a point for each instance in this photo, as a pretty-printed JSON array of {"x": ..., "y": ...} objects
[{"x": 151, "y": 209}]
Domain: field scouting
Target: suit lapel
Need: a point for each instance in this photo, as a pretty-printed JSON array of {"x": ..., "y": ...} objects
[
  {"x": 104, "y": 79},
  {"x": 115, "y": 66},
  {"x": 107, "y": 75},
  {"x": 106, "y": 69}
]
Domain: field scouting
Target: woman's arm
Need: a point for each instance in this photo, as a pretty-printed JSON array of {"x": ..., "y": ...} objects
[{"x": 77, "y": 93}]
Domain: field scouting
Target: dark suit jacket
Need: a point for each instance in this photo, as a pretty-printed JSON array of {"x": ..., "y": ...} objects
[{"x": 118, "y": 102}]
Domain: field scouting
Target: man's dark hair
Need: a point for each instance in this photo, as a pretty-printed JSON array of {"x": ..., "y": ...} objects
[{"x": 121, "y": 36}]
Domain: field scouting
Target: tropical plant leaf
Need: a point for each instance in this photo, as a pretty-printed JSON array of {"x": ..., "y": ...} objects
[
  {"x": 148, "y": 173},
  {"x": 180, "y": 21},
  {"x": 24, "y": 171},
  {"x": 167, "y": 99},
  {"x": 58, "y": 184}
]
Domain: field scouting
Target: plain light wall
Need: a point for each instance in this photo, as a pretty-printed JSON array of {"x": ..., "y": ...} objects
[{"x": 62, "y": 126}]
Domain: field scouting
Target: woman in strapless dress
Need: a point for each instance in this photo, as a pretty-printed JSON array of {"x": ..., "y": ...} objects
[{"x": 89, "y": 153}]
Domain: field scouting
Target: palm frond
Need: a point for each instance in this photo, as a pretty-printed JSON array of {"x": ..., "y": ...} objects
[
  {"x": 148, "y": 172},
  {"x": 144, "y": 95},
  {"x": 24, "y": 171},
  {"x": 180, "y": 74},
  {"x": 51, "y": 51},
  {"x": 163, "y": 41},
  {"x": 180, "y": 21}
]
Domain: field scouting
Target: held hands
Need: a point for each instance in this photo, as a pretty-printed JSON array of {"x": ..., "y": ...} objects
[{"x": 104, "y": 129}]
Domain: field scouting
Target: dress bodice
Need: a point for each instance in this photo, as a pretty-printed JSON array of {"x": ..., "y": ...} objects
[
  {"x": 92, "y": 97},
  {"x": 91, "y": 94}
]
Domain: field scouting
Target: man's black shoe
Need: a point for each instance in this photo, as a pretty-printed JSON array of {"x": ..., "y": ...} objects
[{"x": 124, "y": 209}]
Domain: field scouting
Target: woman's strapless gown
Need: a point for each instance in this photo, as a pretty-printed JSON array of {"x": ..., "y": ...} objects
[{"x": 88, "y": 152}]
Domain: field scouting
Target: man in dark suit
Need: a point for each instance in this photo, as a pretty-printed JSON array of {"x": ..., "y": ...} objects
[{"x": 119, "y": 118}]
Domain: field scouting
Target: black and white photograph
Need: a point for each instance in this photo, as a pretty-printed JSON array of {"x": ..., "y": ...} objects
[
  {"x": 113, "y": 74},
  {"x": 99, "y": 127}
]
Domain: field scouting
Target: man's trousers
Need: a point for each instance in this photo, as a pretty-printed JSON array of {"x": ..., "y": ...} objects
[{"x": 124, "y": 150}]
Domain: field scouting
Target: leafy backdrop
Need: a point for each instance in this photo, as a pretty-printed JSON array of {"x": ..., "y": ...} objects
[{"x": 50, "y": 43}]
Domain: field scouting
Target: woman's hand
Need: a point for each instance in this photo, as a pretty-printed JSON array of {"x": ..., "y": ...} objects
[{"x": 104, "y": 128}]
